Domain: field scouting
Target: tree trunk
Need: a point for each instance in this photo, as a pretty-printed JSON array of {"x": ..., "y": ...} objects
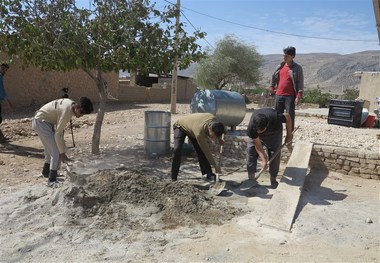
[{"x": 100, "y": 82}]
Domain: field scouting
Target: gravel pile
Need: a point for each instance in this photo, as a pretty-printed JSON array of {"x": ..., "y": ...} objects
[
  {"x": 314, "y": 128},
  {"x": 318, "y": 131}
]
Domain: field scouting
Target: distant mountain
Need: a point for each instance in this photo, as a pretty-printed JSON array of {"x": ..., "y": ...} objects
[{"x": 331, "y": 72}]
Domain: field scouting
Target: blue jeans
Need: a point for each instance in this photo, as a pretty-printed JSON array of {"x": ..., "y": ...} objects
[{"x": 286, "y": 103}]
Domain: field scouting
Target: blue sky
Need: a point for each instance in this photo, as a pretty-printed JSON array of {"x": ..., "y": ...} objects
[
  {"x": 256, "y": 21},
  {"x": 312, "y": 26}
]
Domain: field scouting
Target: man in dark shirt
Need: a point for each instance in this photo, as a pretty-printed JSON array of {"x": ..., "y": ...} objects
[{"x": 265, "y": 127}]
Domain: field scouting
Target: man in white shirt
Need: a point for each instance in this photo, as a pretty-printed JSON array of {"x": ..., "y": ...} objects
[{"x": 49, "y": 122}]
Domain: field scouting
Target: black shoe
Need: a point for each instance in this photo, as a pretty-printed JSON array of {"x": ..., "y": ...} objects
[
  {"x": 46, "y": 170},
  {"x": 52, "y": 181},
  {"x": 211, "y": 177},
  {"x": 174, "y": 179},
  {"x": 54, "y": 184},
  {"x": 4, "y": 140},
  {"x": 274, "y": 185},
  {"x": 52, "y": 176}
]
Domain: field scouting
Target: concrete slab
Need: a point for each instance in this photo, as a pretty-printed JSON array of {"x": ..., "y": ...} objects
[{"x": 282, "y": 207}]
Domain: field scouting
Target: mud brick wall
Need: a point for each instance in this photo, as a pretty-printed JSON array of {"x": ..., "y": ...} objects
[
  {"x": 34, "y": 87},
  {"x": 157, "y": 93},
  {"x": 342, "y": 160}
]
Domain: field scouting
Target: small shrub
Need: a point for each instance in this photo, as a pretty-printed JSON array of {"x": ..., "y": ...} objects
[
  {"x": 350, "y": 94},
  {"x": 316, "y": 96}
]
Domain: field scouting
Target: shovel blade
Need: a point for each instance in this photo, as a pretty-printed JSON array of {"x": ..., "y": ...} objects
[{"x": 217, "y": 188}]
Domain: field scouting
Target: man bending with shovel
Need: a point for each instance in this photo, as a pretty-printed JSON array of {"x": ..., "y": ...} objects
[
  {"x": 199, "y": 127},
  {"x": 49, "y": 123},
  {"x": 265, "y": 127}
]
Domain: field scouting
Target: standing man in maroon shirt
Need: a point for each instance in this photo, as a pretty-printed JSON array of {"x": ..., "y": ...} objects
[{"x": 287, "y": 84}]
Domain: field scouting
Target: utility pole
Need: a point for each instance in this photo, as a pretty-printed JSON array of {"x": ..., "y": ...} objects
[{"x": 175, "y": 64}]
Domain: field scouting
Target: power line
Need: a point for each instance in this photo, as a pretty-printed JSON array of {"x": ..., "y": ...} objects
[
  {"x": 192, "y": 25},
  {"x": 196, "y": 29},
  {"x": 277, "y": 32}
]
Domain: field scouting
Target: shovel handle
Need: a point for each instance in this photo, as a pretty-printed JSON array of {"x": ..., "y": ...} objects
[
  {"x": 275, "y": 154},
  {"x": 221, "y": 151},
  {"x": 222, "y": 145},
  {"x": 220, "y": 158}
]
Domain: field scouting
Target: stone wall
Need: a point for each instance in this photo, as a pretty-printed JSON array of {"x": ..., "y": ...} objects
[
  {"x": 33, "y": 87},
  {"x": 345, "y": 161}
]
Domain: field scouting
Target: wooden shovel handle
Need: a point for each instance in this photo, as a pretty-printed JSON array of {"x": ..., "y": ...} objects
[
  {"x": 220, "y": 157},
  {"x": 222, "y": 145},
  {"x": 275, "y": 154}
]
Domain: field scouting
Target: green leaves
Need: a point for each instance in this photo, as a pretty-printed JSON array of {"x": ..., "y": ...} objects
[
  {"x": 316, "y": 96},
  {"x": 114, "y": 34},
  {"x": 232, "y": 63}
]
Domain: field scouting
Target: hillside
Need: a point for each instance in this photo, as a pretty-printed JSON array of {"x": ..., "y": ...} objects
[{"x": 331, "y": 72}]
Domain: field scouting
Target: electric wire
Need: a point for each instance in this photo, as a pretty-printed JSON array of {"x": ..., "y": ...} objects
[
  {"x": 276, "y": 32},
  {"x": 204, "y": 38},
  {"x": 196, "y": 30}
]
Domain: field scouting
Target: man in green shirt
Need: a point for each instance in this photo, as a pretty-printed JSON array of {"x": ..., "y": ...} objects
[{"x": 198, "y": 127}]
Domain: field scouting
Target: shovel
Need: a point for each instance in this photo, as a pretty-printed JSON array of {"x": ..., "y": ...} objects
[
  {"x": 73, "y": 176},
  {"x": 251, "y": 183},
  {"x": 218, "y": 187},
  {"x": 275, "y": 154}
]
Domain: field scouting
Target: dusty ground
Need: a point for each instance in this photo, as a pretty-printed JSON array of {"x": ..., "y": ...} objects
[{"x": 121, "y": 207}]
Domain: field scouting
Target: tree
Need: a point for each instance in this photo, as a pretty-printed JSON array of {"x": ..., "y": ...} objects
[
  {"x": 114, "y": 35},
  {"x": 232, "y": 62}
]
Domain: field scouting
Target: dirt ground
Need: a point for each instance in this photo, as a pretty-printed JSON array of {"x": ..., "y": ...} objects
[{"x": 120, "y": 206}]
